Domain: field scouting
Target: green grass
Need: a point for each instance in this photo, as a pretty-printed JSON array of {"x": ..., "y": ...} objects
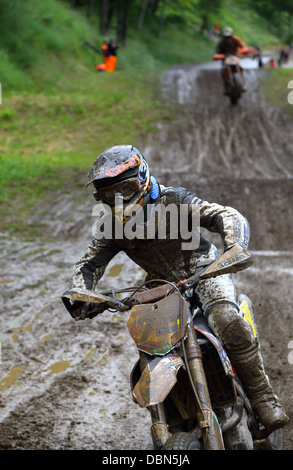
[
  {"x": 46, "y": 138},
  {"x": 70, "y": 128},
  {"x": 276, "y": 87},
  {"x": 58, "y": 114},
  {"x": 247, "y": 24}
]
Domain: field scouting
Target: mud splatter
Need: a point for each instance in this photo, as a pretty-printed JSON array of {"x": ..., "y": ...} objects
[{"x": 65, "y": 384}]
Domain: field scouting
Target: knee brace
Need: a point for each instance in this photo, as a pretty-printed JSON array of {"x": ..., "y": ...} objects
[{"x": 229, "y": 326}]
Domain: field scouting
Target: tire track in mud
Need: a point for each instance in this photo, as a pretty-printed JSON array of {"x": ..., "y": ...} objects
[
  {"x": 251, "y": 140},
  {"x": 242, "y": 156},
  {"x": 65, "y": 384}
]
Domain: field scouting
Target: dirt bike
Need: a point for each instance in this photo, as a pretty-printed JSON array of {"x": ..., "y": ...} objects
[
  {"x": 183, "y": 375},
  {"x": 232, "y": 76}
]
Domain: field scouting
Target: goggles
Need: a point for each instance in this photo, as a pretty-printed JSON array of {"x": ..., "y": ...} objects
[{"x": 125, "y": 189}]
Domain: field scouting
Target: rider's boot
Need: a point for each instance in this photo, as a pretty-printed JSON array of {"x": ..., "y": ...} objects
[
  {"x": 248, "y": 364},
  {"x": 236, "y": 335}
]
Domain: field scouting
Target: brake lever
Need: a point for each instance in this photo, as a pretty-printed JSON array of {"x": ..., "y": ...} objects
[
  {"x": 113, "y": 301},
  {"x": 191, "y": 281}
]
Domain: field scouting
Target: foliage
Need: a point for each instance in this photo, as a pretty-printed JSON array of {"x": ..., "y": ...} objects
[
  {"x": 47, "y": 139},
  {"x": 206, "y": 7},
  {"x": 278, "y": 13},
  {"x": 58, "y": 113},
  {"x": 276, "y": 88}
]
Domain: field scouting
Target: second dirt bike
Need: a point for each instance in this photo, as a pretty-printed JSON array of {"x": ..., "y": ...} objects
[
  {"x": 183, "y": 375},
  {"x": 232, "y": 76}
]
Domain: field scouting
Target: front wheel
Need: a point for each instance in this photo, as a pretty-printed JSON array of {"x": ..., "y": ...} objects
[
  {"x": 236, "y": 89},
  {"x": 234, "y": 100},
  {"x": 182, "y": 441}
]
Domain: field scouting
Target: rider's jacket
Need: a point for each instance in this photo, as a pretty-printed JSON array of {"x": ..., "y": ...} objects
[
  {"x": 229, "y": 46},
  {"x": 164, "y": 257}
]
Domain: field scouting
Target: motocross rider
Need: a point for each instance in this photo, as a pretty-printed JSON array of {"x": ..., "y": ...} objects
[
  {"x": 229, "y": 45},
  {"x": 122, "y": 171}
]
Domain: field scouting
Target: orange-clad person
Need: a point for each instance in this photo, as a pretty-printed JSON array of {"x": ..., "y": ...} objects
[{"x": 112, "y": 55}]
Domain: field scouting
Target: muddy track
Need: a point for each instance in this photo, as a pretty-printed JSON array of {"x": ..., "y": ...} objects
[{"x": 65, "y": 384}]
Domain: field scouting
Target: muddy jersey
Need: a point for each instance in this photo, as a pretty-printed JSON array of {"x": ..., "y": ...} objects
[
  {"x": 229, "y": 46},
  {"x": 164, "y": 258}
]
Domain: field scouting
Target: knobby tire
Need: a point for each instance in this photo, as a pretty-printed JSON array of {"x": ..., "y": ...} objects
[{"x": 182, "y": 441}]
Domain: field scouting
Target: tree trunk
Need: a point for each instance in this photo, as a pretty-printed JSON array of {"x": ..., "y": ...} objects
[
  {"x": 110, "y": 14},
  {"x": 90, "y": 8},
  {"x": 104, "y": 7},
  {"x": 122, "y": 24},
  {"x": 162, "y": 17},
  {"x": 144, "y": 4},
  {"x": 154, "y": 5}
]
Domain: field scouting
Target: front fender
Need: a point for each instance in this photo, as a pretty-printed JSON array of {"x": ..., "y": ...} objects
[
  {"x": 156, "y": 381},
  {"x": 220, "y": 350}
]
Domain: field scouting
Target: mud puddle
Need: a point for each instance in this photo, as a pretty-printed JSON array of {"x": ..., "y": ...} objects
[{"x": 65, "y": 384}]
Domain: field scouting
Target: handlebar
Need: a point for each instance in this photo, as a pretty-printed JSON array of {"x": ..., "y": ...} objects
[
  {"x": 233, "y": 260},
  {"x": 242, "y": 52},
  {"x": 218, "y": 56}
]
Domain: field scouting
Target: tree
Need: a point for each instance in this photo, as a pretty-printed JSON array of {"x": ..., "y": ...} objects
[
  {"x": 151, "y": 7},
  {"x": 143, "y": 9},
  {"x": 122, "y": 23},
  {"x": 119, "y": 9},
  {"x": 162, "y": 17},
  {"x": 105, "y": 13},
  {"x": 205, "y": 7}
]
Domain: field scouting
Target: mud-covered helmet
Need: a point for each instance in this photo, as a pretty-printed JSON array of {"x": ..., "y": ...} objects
[
  {"x": 120, "y": 171},
  {"x": 227, "y": 31}
]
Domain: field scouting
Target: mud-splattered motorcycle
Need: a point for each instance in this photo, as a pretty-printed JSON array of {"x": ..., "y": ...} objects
[
  {"x": 183, "y": 375},
  {"x": 232, "y": 76}
]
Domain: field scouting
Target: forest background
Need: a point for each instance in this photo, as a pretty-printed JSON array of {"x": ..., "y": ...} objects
[{"x": 57, "y": 113}]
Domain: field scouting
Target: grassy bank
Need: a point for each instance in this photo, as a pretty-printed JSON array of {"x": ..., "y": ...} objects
[
  {"x": 276, "y": 87},
  {"x": 47, "y": 138},
  {"x": 58, "y": 113}
]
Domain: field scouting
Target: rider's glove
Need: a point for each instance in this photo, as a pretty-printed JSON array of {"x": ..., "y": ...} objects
[{"x": 82, "y": 310}]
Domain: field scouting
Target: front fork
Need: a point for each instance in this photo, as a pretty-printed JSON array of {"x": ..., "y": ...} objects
[
  {"x": 159, "y": 430},
  {"x": 208, "y": 423},
  {"x": 227, "y": 73}
]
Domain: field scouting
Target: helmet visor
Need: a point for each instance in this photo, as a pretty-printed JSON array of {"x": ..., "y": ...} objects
[{"x": 125, "y": 189}]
